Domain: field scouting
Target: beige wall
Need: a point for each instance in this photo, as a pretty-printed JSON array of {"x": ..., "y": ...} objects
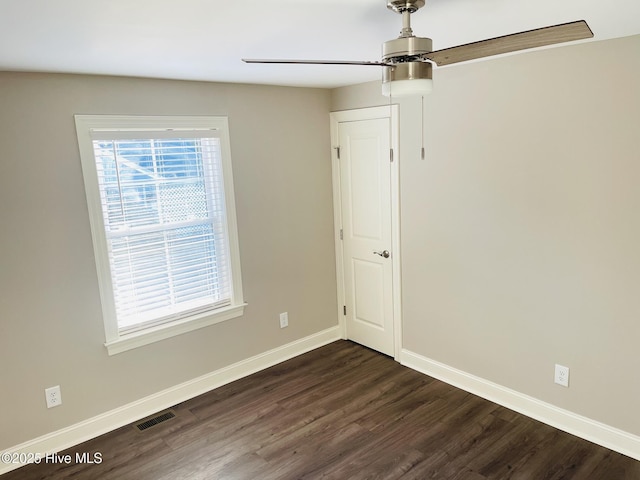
[
  {"x": 50, "y": 327},
  {"x": 521, "y": 231}
]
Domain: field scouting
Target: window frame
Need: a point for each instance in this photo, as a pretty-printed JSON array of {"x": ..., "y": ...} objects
[{"x": 115, "y": 341}]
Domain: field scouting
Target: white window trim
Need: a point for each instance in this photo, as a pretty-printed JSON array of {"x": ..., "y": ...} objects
[{"x": 115, "y": 341}]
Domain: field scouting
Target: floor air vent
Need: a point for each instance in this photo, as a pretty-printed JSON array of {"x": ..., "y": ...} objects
[{"x": 150, "y": 422}]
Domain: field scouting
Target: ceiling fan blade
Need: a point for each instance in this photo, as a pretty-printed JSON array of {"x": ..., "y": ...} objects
[
  {"x": 539, "y": 37},
  {"x": 311, "y": 62}
]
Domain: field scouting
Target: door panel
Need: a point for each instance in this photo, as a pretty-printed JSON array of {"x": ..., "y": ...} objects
[
  {"x": 364, "y": 177},
  {"x": 368, "y": 293}
]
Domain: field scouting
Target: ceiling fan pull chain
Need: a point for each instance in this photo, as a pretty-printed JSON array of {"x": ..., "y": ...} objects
[
  {"x": 390, "y": 127},
  {"x": 422, "y": 125}
]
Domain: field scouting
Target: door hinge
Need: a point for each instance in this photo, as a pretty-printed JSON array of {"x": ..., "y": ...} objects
[
  {"x": 344, "y": 310},
  {"x": 338, "y": 152},
  {"x": 341, "y": 235},
  {"x": 391, "y": 154}
]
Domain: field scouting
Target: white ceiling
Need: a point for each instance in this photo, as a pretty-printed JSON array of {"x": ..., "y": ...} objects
[{"x": 205, "y": 39}]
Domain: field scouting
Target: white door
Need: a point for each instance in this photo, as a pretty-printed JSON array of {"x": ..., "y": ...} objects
[{"x": 365, "y": 171}]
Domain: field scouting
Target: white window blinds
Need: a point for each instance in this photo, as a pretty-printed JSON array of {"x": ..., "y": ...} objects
[{"x": 163, "y": 204}]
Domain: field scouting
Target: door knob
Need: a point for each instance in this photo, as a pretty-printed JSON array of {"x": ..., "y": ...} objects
[{"x": 384, "y": 253}]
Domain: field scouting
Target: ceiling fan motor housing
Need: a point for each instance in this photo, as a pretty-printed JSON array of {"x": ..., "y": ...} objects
[
  {"x": 404, "y": 48},
  {"x": 407, "y": 71}
]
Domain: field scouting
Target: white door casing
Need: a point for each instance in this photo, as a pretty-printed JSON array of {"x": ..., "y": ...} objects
[{"x": 366, "y": 213}]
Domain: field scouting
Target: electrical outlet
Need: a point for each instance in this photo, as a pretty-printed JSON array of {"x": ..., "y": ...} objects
[
  {"x": 284, "y": 320},
  {"x": 53, "y": 396},
  {"x": 562, "y": 375}
]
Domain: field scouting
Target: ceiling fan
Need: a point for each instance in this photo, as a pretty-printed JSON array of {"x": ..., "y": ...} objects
[{"x": 407, "y": 60}]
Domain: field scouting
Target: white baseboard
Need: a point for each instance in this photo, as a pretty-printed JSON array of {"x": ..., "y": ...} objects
[
  {"x": 596, "y": 432},
  {"x": 80, "y": 432}
]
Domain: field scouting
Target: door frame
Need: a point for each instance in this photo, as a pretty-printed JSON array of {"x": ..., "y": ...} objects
[{"x": 371, "y": 113}]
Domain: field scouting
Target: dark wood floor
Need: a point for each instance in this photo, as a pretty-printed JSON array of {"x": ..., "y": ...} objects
[{"x": 341, "y": 412}]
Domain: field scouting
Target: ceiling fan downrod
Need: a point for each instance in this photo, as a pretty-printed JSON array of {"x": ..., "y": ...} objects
[
  {"x": 405, "y": 8},
  {"x": 406, "y": 25}
]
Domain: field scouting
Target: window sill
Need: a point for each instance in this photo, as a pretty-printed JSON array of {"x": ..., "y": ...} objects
[{"x": 168, "y": 330}]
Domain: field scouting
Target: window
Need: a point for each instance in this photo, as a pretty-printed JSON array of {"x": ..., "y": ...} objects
[{"x": 161, "y": 206}]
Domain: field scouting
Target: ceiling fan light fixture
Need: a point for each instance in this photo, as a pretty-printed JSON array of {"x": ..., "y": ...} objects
[{"x": 407, "y": 79}]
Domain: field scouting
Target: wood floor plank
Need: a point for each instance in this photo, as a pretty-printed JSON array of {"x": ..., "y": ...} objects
[
  {"x": 388, "y": 466},
  {"x": 340, "y": 412},
  {"x": 500, "y": 461}
]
